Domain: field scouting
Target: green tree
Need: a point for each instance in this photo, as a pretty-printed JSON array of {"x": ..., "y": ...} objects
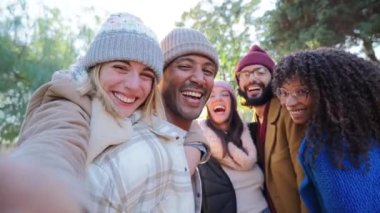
[
  {"x": 30, "y": 51},
  {"x": 227, "y": 26},
  {"x": 302, "y": 24}
]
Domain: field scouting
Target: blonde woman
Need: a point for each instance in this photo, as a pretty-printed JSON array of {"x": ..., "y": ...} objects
[{"x": 107, "y": 100}]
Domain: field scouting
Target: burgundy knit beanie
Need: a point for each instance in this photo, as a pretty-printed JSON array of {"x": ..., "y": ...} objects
[{"x": 256, "y": 55}]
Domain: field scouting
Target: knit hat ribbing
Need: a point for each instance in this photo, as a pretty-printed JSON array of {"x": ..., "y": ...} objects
[
  {"x": 125, "y": 37},
  {"x": 184, "y": 41},
  {"x": 256, "y": 55},
  {"x": 225, "y": 85}
]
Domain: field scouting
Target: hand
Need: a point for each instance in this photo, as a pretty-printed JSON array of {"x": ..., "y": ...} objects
[{"x": 24, "y": 188}]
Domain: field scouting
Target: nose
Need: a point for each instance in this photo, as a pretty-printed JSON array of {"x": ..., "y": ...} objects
[
  {"x": 214, "y": 100},
  {"x": 132, "y": 80},
  {"x": 252, "y": 77},
  {"x": 198, "y": 76},
  {"x": 291, "y": 101},
  {"x": 219, "y": 97}
]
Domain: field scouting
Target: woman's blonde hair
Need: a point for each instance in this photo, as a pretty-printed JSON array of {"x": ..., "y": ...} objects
[{"x": 153, "y": 104}]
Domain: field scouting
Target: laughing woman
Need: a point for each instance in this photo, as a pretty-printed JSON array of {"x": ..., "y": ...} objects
[
  {"x": 231, "y": 180},
  {"x": 337, "y": 95},
  {"x": 59, "y": 133}
]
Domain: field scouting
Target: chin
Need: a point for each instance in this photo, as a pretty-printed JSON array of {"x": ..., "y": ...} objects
[
  {"x": 299, "y": 120},
  {"x": 220, "y": 121}
]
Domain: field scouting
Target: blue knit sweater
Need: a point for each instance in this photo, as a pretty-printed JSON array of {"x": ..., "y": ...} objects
[{"x": 327, "y": 189}]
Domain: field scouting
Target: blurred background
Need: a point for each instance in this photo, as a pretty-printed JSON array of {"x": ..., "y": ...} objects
[{"x": 40, "y": 37}]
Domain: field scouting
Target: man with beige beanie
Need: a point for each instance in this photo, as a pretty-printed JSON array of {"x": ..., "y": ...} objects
[{"x": 190, "y": 66}]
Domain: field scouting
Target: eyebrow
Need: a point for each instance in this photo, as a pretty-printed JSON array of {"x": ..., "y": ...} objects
[
  {"x": 253, "y": 69},
  {"x": 188, "y": 58},
  {"x": 146, "y": 68}
]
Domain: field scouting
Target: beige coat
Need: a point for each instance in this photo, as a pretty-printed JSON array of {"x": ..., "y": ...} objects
[{"x": 56, "y": 132}]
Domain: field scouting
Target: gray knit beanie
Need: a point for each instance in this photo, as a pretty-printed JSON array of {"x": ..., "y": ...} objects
[
  {"x": 125, "y": 37},
  {"x": 183, "y": 41}
]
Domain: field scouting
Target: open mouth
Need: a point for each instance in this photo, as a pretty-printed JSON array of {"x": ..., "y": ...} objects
[
  {"x": 297, "y": 112},
  {"x": 192, "y": 94},
  {"x": 254, "y": 90},
  {"x": 124, "y": 98},
  {"x": 218, "y": 109}
]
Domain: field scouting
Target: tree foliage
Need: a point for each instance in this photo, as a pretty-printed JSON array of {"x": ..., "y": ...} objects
[
  {"x": 303, "y": 24},
  {"x": 31, "y": 49},
  {"x": 227, "y": 26}
]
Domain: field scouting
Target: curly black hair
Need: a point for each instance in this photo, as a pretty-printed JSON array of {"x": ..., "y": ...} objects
[{"x": 346, "y": 93}]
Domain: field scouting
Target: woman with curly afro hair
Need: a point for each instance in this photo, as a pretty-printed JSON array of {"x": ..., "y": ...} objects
[{"x": 337, "y": 95}]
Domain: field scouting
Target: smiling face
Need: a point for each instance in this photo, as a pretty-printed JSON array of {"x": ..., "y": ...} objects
[
  {"x": 254, "y": 84},
  {"x": 186, "y": 86},
  {"x": 295, "y": 96},
  {"x": 127, "y": 84},
  {"x": 219, "y": 107}
]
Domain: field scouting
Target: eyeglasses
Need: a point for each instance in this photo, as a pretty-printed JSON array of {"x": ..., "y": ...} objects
[
  {"x": 245, "y": 75},
  {"x": 300, "y": 94}
]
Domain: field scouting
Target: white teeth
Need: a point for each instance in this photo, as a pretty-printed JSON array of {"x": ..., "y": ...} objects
[
  {"x": 254, "y": 88},
  {"x": 219, "y": 107},
  {"x": 124, "y": 99},
  {"x": 193, "y": 94}
]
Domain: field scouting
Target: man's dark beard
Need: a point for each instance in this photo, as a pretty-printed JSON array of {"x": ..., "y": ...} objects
[{"x": 259, "y": 101}]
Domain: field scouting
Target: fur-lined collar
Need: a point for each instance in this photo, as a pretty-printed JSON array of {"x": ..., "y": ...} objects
[
  {"x": 239, "y": 160},
  {"x": 106, "y": 131}
]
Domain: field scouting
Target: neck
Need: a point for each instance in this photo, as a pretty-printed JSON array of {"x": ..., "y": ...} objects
[
  {"x": 260, "y": 110},
  {"x": 223, "y": 126},
  {"x": 178, "y": 121}
]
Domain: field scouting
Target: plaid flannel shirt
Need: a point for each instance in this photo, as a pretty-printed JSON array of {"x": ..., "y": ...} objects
[{"x": 146, "y": 173}]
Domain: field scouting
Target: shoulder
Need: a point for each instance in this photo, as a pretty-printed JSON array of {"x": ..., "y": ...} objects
[
  {"x": 201, "y": 125},
  {"x": 136, "y": 160},
  {"x": 207, "y": 132},
  {"x": 63, "y": 89},
  {"x": 276, "y": 111},
  {"x": 132, "y": 159},
  {"x": 144, "y": 145}
]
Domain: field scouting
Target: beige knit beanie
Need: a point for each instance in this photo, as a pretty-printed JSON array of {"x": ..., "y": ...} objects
[
  {"x": 183, "y": 41},
  {"x": 125, "y": 37}
]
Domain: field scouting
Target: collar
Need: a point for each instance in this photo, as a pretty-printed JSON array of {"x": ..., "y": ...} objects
[{"x": 275, "y": 108}]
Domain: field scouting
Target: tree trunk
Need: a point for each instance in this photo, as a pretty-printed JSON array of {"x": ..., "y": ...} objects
[{"x": 368, "y": 50}]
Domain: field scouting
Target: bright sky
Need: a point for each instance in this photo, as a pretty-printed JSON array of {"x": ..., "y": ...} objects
[{"x": 160, "y": 15}]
